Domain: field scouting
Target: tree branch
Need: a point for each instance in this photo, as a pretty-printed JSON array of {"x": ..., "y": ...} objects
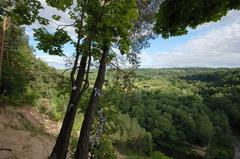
[
  {"x": 5, "y": 149},
  {"x": 78, "y": 50}
]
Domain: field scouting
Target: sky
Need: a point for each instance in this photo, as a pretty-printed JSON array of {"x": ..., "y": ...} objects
[{"x": 215, "y": 44}]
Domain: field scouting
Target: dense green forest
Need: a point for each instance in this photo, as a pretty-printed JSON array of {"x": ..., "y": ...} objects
[
  {"x": 184, "y": 108},
  {"x": 182, "y": 112}
]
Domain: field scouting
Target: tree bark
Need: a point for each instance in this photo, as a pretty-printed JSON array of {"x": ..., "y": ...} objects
[
  {"x": 4, "y": 28},
  {"x": 82, "y": 150},
  {"x": 60, "y": 148}
]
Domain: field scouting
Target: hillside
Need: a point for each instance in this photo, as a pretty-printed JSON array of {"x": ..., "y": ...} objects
[{"x": 25, "y": 133}]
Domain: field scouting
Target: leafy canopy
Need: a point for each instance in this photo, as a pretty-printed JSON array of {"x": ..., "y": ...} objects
[
  {"x": 51, "y": 43},
  {"x": 109, "y": 21},
  {"x": 21, "y": 11},
  {"x": 175, "y": 16},
  {"x": 60, "y": 4}
]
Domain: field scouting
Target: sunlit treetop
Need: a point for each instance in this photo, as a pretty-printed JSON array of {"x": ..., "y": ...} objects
[
  {"x": 22, "y": 12},
  {"x": 60, "y": 4},
  {"x": 103, "y": 21},
  {"x": 176, "y": 16},
  {"x": 114, "y": 21}
]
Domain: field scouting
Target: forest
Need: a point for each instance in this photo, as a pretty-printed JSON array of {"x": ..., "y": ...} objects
[{"x": 105, "y": 111}]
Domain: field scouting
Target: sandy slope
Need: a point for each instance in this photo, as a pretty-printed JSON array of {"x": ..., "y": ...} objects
[
  {"x": 24, "y": 145},
  {"x": 25, "y": 133}
]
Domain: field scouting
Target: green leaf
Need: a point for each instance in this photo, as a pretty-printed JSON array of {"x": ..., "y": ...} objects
[
  {"x": 175, "y": 16},
  {"x": 26, "y": 12},
  {"x": 56, "y": 17},
  {"x": 60, "y": 4},
  {"x": 43, "y": 21},
  {"x": 51, "y": 43}
]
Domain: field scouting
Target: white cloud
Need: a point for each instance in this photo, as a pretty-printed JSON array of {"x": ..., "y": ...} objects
[
  {"x": 47, "y": 13},
  {"x": 218, "y": 46},
  {"x": 54, "y": 61},
  {"x": 191, "y": 60}
]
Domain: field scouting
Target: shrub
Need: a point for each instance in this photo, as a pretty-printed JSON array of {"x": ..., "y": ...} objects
[
  {"x": 158, "y": 155},
  {"x": 104, "y": 150}
]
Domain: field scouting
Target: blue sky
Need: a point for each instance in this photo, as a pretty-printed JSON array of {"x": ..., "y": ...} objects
[{"x": 209, "y": 45}]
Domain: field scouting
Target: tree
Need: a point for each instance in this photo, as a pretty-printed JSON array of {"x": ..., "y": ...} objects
[
  {"x": 86, "y": 27},
  {"x": 97, "y": 31},
  {"x": 78, "y": 75},
  {"x": 16, "y": 12},
  {"x": 26, "y": 12},
  {"x": 110, "y": 32},
  {"x": 17, "y": 62},
  {"x": 175, "y": 16},
  {"x": 2, "y": 42}
]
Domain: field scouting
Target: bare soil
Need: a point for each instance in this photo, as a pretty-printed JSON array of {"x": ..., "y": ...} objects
[{"x": 25, "y": 133}]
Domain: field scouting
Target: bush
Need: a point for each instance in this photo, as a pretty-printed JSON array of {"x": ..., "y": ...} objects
[
  {"x": 133, "y": 136},
  {"x": 141, "y": 144},
  {"x": 104, "y": 150},
  {"x": 158, "y": 155}
]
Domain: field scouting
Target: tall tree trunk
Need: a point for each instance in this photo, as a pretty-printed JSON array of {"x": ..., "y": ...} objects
[
  {"x": 60, "y": 148},
  {"x": 4, "y": 28},
  {"x": 82, "y": 150}
]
